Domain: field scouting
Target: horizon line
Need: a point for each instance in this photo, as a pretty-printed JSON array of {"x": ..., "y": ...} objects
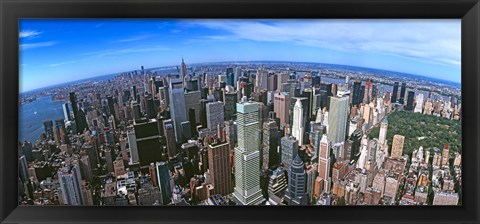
[{"x": 198, "y": 63}]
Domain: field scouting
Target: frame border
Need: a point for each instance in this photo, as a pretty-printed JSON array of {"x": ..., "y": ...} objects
[{"x": 467, "y": 10}]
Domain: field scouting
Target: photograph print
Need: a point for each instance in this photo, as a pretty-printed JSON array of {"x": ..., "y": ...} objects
[{"x": 158, "y": 112}]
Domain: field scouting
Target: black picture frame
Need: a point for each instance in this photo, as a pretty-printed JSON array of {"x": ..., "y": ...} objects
[{"x": 12, "y": 10}]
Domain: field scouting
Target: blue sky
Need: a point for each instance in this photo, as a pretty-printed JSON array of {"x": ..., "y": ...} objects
[{"x": 54, "y": 51}]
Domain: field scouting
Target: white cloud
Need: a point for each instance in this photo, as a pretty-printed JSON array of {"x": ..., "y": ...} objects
[
  {"x": 37, "y": 45},
  {"x": 113, "y": 52},
  {"x": 429, "y": 41},
  {"x": 29, "y": 34},
  {"x": 61, "y": 63},
  {"x": 134, "y": 38}
]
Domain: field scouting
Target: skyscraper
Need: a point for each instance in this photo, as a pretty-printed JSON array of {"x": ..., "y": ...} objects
[
  {"x": 169, "y": 132},
  {"x": 230, "y": 102},
  {"x": 289, "y": 149},
  {"x": 73, "y": 102},
  {"x": 66, "y": 111},
  {"x": 183, "y": 69},
  {"x": 394, "y": 93},
  {"x": 337, "y": 118},
  {"x": 69, "y": 179},
  {"x": 419, "y": 103},
  {"x": 357, "y": 93},
  {"x": 147, "y": 138},
  {"x": 220, "y": 169},
  {"x": 401, "y": 99},
  {"x": 382, "y": 136},
  {"x": 397, "y": 146},
  {"x": 324, "y": 162},
  {"x": 177, "y": 106},
  {"x": 247, "y": 155},
  {"x": 297, "y": 183},
  {"x": 410, "y": 99},
  {"x": 298, "y": 123},
  {"x": 215, "y": 116},
  {"x": 270, "y": 144},
  {"x": 281, "y": 106},
  {"x": 163, "y": 180}
]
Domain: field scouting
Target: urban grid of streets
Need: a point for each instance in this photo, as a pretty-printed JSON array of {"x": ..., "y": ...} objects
[{"x": 244, "y": 133}]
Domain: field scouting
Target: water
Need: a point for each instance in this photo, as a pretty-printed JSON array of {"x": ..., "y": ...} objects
[{"x": 31, "y": 123}]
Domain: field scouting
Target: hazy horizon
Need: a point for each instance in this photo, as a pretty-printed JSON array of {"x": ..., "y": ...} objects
[{"x": 56, "y": 51}]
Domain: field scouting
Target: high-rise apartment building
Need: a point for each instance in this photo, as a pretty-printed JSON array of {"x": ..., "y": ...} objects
[
  {"x": 397, "y": 146},
  {"x": 219, "y": 168}
]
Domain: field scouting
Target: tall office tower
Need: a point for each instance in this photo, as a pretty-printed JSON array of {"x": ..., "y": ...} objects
[
  {"x": 23, "y": 169},
  {"x": 324, "y": 162},
  {"x": 169, "y": 132},
  {"x": 337, "y": 118},
  {"x": 297, "y": 183},
  {"x": 151, "y": 110},
  {"x": 368, "y": 91},
  {"x": 238, "y": 73},
  {"x": 66, "y": 111},
  {"x": 203, "y": 113},
  {"x": 357, "y": 93},
  {"x": 261, "y": 80},
  {"x": 298, "y": 123},
  {"x": 147, "y": 138},
  {"x": 69, "y": 179},
  {"x": 269, "y": 155},
  {"x": 289, "y": 149},
  {"x": 419, "y": 103},
  {"x": 410, "y": 99},
  {"x": 382, "y": 136},
  {"x": 394, "y": 93},
  {"x": 401, "y": 99},
  {"x": 230, "y": 76},
  {"x": 163, "y": 180},
  {"x": 193, "y": 121},
  {"x": 230, "y": 102},
  {"x": 133, "y": 93},
  {"x": 247, "y": 155},
  {"x": 145, "y": 81},
  {"x": 111, "y": 110},
  {"x": 132, "y": 143},
  {"x": 192, "y": 100},
  {"x": 73, "y": 102},
  {"x": 48, "y": 128},
  {"x": 186, "y": 130},
  {"x": 177, "y": 106},
  {"x": 215, "y": 117},
  {"x": 183, "y": 70},
  {"x": 281, "y": 107},
  {"x": 220, "y": 168},
  {"x": 397, "y": 146}
]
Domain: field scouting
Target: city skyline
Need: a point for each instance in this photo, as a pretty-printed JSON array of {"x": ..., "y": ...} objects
[{"x": 59, "y": 51}]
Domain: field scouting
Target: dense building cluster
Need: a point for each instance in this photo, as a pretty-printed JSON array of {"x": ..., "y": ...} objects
[{"x": 237, "y": 136}]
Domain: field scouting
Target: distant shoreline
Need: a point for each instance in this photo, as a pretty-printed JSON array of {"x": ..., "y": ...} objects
[{"x": 244, "y": 62}]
